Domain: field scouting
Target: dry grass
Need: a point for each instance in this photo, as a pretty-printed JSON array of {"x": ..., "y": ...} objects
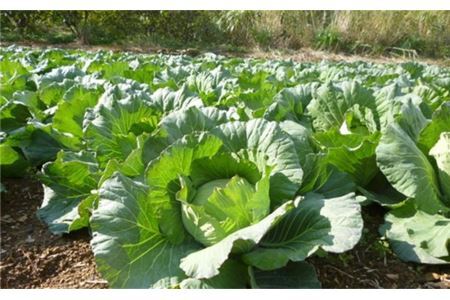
[
  {"x": 425, "y": 32},
  {"x": 391, "y": 27},
  {"x": 311, "y": 55}
]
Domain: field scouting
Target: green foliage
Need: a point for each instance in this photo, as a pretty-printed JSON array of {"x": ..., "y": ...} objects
[
  {"x": 215, "y": 172},
  {"x": 329, "y": 40}
]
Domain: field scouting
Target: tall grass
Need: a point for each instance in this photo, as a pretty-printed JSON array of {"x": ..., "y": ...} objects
[{"x": 422, "y": 32}]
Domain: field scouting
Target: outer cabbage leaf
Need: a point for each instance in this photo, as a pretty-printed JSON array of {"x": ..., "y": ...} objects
[
  {"x": 166, "y": 100},
  {"x": 388, "y": 104},
  {"x": 35, "y": 106},
  {"x": 212, "y": 85},
  {"x": 58, "y": 75},
  {"x": 132, "y": 166},
  {"x": 441, "y": 153},
  {"x": 14, "y": 77},
  {"x": 411, "y": 120},
  {"x": 111, "y": 69},
  {"x": 12, "y": 162},
  {"x": 301, "y": 136},
  {"x": 440, "y": 122},
  {"x": 53, "y": 93},
  {"x": 256, "y": 91},
  {"x": 408, "y": 169},
  {"x": 334, "y": 224},
  {"x": 233, "y": 275},
  {"x": 13, "y": 115},
  {"x": 116, "y": 123},
  {"x": 353, "y": 154},
  {"x": 330, "y": 103},
  {"x": 334, "y": 183},
  {"x": 417, "y": 236},
  {"x": 68, "y": 182},
  {"x": 181, "y": 122},
  {"x": 69, "y": 114},
  {"x": 290, "y": 103},
  {"x": 129, "y": 249},
  {"x": 185, "y": 121},
  {"x": 38, "y": 142}
]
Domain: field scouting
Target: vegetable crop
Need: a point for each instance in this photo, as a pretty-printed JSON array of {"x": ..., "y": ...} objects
[{"x": 215, "y": 172}]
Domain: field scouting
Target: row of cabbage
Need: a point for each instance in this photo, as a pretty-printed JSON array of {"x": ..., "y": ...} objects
[{"x": 214, "y": 172}]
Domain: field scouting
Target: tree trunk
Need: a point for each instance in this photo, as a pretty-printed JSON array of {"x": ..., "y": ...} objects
[{"x": 85, "y": 30}]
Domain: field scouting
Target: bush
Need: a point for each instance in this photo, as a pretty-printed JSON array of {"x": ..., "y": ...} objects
[{"x": 374, "y": 32}]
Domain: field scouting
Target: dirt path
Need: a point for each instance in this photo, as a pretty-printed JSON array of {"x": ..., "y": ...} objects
[
  {"x": 302, "y": 55},
  {"x": 31, "y": 257}
]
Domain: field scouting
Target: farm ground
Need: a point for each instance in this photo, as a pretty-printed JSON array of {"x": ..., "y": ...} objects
[
  {"x": 31, "y": 257},
  {"x": 303, "y": 55}
]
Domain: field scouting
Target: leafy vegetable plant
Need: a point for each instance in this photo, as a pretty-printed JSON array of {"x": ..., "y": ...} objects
[{"x": 214, "y": 172}]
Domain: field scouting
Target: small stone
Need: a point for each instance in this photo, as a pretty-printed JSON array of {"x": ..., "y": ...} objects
[
  {"x": 392, "y": 276},
  {"x": 22, "y": 219},
  {"x": 29, "y": 239},
  {"x": 7, "y": 219}
]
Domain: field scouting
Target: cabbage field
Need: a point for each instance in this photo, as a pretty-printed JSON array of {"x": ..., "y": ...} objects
[{"x": 216, "y": 172}]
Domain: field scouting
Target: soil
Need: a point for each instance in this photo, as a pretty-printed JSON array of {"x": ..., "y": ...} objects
[
  {"x": 372, "y": 264},
  {"x": 31, "y": 257}
]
